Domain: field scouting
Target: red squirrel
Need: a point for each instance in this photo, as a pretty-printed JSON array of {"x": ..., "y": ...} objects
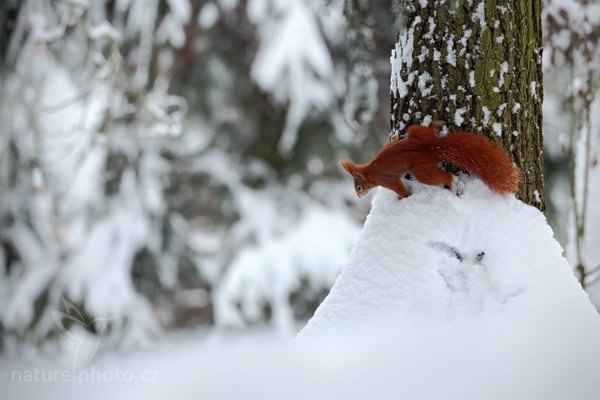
[{"x": 420, "y": 155}]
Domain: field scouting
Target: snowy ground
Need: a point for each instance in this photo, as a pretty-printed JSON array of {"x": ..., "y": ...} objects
[
  {"x": 443, "y": 297},
  {"x": 430, "y": 364}
]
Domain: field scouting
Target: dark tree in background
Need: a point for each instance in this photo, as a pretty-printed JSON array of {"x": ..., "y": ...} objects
[{"x": 478, "y": 66}]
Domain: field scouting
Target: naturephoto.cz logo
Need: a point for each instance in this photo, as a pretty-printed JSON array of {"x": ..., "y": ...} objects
[
  {"x": 83, "y": 376},
  {"x": 83, "y": 344}
]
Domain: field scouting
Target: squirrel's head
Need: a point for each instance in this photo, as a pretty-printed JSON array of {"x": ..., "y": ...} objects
[{"x": 362, "y": 186}]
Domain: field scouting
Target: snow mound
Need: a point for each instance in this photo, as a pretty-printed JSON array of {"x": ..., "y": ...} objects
[
  {"x": 434, "y": 257},
  {"x": 460, "y": 297}
]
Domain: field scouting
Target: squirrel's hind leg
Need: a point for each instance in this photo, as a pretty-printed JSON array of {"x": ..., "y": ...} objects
[{"x": 430, "y": 174}]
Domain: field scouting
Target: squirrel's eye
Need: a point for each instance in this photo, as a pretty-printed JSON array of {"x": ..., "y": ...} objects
[{"x": 359, "y": 188}]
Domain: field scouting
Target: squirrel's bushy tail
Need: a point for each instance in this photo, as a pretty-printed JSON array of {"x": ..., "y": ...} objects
[{"x": 482, "y": 157}]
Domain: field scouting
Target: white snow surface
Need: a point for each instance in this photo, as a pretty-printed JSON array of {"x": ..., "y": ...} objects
[
  {"x": 465, "y": 282},
  {"x": 443, "y": 297},
  {"x": 435, "y": 258}
]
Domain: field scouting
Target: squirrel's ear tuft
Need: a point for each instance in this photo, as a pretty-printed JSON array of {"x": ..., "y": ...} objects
[{"x": 348, "y": 166}]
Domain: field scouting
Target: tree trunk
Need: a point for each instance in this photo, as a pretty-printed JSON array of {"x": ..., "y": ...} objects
[{"x": 478, "y": 66}]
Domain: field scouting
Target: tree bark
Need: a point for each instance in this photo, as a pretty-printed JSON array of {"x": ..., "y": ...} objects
[{"x": 477, "y": 65}]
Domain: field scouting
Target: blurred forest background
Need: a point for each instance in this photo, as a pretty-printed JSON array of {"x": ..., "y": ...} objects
[{"x": 175, "y": 162}]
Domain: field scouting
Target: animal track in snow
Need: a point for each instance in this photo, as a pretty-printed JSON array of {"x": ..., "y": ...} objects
[{"x": 477, "y": 258}]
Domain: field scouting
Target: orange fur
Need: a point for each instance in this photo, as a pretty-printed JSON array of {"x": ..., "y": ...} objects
[{"x": 420, "y": 155}]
